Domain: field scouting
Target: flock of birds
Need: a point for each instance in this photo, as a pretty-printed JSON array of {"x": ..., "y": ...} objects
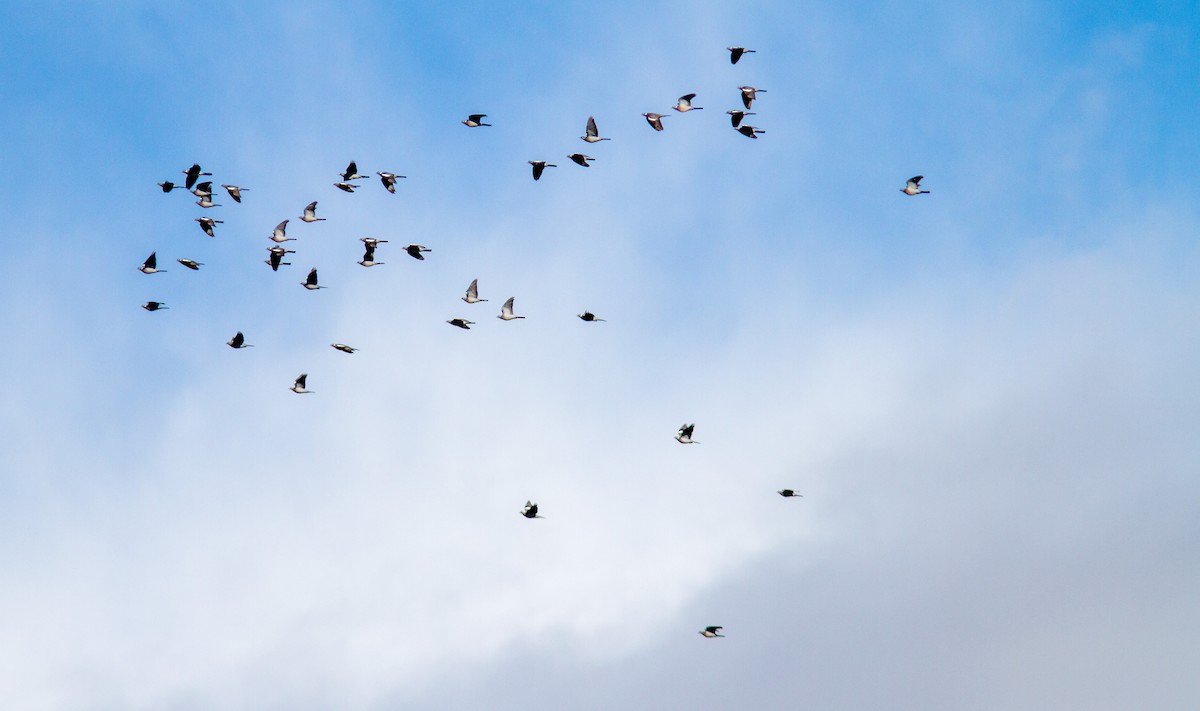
[{"x": 203, "y": 190}]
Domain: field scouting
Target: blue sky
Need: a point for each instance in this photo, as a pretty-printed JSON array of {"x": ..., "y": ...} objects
[{"x": 987, "y": 395}]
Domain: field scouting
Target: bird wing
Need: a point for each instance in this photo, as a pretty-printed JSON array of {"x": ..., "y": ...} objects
[
  {"x": 508, "y": 306},
  {"x": 302, "y": 380},
  {"x": 686, "y": 430},
  {"x": 591, "y": 127},
  {"x": 476, "y": 117},
  {"x": 151, "y": 261},
  {"x": 312, "y": 277},
  {"x": 473, "y": 289},
  {"x": 238, "y": 339}
]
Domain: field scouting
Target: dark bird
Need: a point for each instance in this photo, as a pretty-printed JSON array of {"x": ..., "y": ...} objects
[
  {"x": 351, "y": 172},
  {"x": 749, "y": 94},
  {"x": 685, "y": 104},
  {"x": 368, "y": 259},
  {"x": 684, "y": 435},
  {"x": 476, "y": 120},
  {"x": 276, "y": 258},
  {"x": 414, "y": 251},
  {"x": 154, "y": 305},
  {"x": 589, "y": 317},
  {"x": 193, "y": 174},
  {"x": 310, "y": 282},
  {"x": 190, "y": 264},
  {"x": 167, "y": 186},
  {"x": 343, "y": 347},
  {"x": 655, "y": 121},
  {"x": 150, "y": 266},
  {"x": 238, "y": 341},
  {"x": 472, "y": 296},
  {"x": 788, "y": 493},
  {"x": 914, "y": 186},
  {"x": 711, "y": 631},
  {"x": 300, "y": 384},
  {"x": 207, "y": 202},
  {"x": 348, "y": 187},
  {"x": 234, "y": 191},
  {"x": 310, "y": 213},
  {"x": 530, "y": 510},
  {"x": 461, "y": 323},
  {"x": 206, "y": 224},
  {"x": 389, "y": 180},
  {"x": 203, "y": 189},
  {"x": 539, "y": 166},
  {"x": 581, "y": 159},
  {"x": 371, "y": 241},
  {"x": 735, "y": 53},
  {"x": 736, "y": 116},
  {"x": 749, "y": 131},
  {"x": 591, "y": 133}
]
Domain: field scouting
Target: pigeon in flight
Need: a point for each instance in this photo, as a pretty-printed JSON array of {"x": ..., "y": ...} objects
[
  {"x": 788, "y": 493},
  {"x": 461, "y": 323},
  {"x": 472, "y": 296},
  {"x": 206, "y": 202},
  {"x": 506, "y": 311},
  {"x": 150, "y": 266},
  {"x": 348, "y": 187},
  {"x": 300, "y": 385},
  {"x": 655, "y": 121},
  {"x": 389, "y": 180},
  {"x": 685, "y": 104},
  {"x": 310, "y": 213},
  {"x": 581, "y": 159},
  {"x": 276, "y": 258},
  {"x": 310, "y": 282},
  {"x": 368, "y": 259},
  {"x": 539, "y": 166},
  {"x": 591, "y": 133},
  {"x": 749, "y": 131},
  {"x": 193, "y": 174},
  {"x": 203, "y": 189},
  {"x": 589, "y": 317},
  {"x": 154, "y": 305},
  {"x": 352, "y": 172},
  {"x": 279, "y": 234},
  {"x": 167, "y": 186},
  {"x": 238, "y": 341},
  {"x": 712, "y": 630},
  {"x": 685, "y": 434},
  {"x": 914, "y": 186},
  {"x": 736, "y": 116},
  {"x": 476, "y": 120},
  {"x": 190, "y": 263},
  {"x": 206, "y": 224},
  {"x": 735, "y": 53},
  {"x": 530, "y": 510},
  {"x": 414, "y": 251},
  {"x": 234, "y": 191},
  {"x": 343, "y": 347},
  {"x": 749, "y": 94},
  {"x": 371, "y": 241}
]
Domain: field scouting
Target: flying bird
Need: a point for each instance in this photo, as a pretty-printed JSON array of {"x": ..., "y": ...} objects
[
  {"x": 539, "y": 166},
  {"x": 343, "y": 347},
  {"x": 581, "y": 159},
  {"x": 150, "y": 266},
  {"x": 276, "y": 258},
  {"x": 655, "y": 121},
  {"x": 591, "y": 133},
  {"x": 368, "y": 259},
  {"x": 476, "y": 120},
  {"x": 389, "y": 180},
  {"x": 684, "y": 435},
  {"x": 310, "y": 213},
  {"x": 788, "y": 493},
  {"x": 167, "y": 186},
  {"x": 351, "y": 172},
  {"x": 193, "y": 174},
  {"x": 234, "y": 191},
  {"x": 711, "y": 631},
  {"x": 203, "y": 189},
  {"x": 206, "y": 224},
  {"x": 414, "y": 251},
  {"x": 461, "y": 323},
  {"x": 310, "y": 282},
  {"x": 589, "y": 317},
  {"x": 300, "y": 384},
  {"x": 190, "y": 263},
  {"x": 735, "y": 53},
  {"x": 736, "y": 116},
  {"x": 506, "y": 311},
  {"x": 154, "y": 305},
  {"x": 472, "y": 296},
  {"x": 238, "y": 341},
  {"x": 530, "y": 510},
  {"x": 749, "y": 94},
  {"x": 914, "y": 186},
  {"x": 371, "y": 241},
  {"x": 279, "y": 234},
  {"x": 348, "y": 187},
  {"x": 206, "y": 202},
  {"x": 685, "y": 104},
  {"x": 749, "y": 131}
]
